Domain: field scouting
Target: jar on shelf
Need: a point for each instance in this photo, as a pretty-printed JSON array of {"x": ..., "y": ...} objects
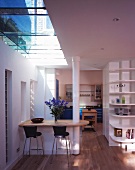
[{"x": 123, "y": 100}]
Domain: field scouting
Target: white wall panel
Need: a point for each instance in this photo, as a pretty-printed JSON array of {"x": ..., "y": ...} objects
[{"x": 22, "y": 71}]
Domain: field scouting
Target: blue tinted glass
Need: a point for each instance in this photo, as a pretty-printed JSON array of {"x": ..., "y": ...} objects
[
  {"x": 21, "y": 3},
  {"x": 24, "y": 25}
]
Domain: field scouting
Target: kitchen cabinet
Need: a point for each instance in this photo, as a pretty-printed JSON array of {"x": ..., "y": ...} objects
[
  {"x": 68, "y": 92},
  {"x": 88, "y": 93},
  {"x": 98, "y": 92},
  {"x": 99, "y": 114}
]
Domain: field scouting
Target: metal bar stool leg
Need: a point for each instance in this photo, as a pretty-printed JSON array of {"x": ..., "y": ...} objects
[
  {"x": 42, "y": 144},
  {"x": 53, "y": 146},
  {"x": 52, "y": 150},
  {"x": 37, "y": 145},
  {"x": 56, "y": 146},
  {"x": 29, "y": 146},
  {"x": 69, "y": 145},
  {"x": 67, "y": 151},
  {"x": 24, "y": 146}
]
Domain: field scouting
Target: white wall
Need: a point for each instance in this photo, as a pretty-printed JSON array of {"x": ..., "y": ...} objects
[
  {"x": 23, "y": 71},
  {"x": 45, "y": 90},
  {"x": 106, "y": 101},
  {"x": 86, "y": 77},
  {"x": 50, "y": 90},
  {"x": 40, "y": 93}
]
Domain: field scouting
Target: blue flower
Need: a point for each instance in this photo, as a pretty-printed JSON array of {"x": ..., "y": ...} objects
[{"x": 57, "y": 107}]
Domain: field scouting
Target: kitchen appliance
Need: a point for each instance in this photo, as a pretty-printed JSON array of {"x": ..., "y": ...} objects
[{"x": 122, "y": 111}]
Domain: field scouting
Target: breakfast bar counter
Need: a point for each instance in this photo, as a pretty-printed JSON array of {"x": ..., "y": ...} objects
[
  {"x": 46, "y": 128},
  {"x": 50, "y": 123}
]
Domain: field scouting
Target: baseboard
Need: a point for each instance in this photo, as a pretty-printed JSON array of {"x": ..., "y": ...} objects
[{"x": 11, "y": 165}]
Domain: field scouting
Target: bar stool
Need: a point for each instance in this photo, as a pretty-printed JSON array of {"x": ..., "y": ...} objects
[
  {"x": 60, "y": 132},
  {"x": 31, "y": 132}
]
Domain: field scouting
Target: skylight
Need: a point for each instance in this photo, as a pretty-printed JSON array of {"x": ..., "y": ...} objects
[{"x": 26, "y": 27}]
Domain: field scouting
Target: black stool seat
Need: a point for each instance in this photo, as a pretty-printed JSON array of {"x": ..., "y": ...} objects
[
  {"x": 38, "y": 134},
  {"x": 61, "y": 135},
  {"x": 31, "y": 132}
]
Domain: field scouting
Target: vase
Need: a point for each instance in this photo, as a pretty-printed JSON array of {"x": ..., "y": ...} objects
[{"x": 56, "y": 118}]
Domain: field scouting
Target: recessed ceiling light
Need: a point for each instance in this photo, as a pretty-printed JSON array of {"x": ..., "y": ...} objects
[
  {"x": 116, "y": 19},
  {"x": 101, "y": 48}
]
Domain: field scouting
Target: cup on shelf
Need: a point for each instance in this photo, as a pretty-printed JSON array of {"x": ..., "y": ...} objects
[{"x": 117, "y": 100}]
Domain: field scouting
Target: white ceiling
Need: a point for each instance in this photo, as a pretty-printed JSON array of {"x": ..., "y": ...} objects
[{"x": 86, "y": 28}]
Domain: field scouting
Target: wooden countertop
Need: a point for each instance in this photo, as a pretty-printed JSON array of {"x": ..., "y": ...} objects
[
  {"x": 89, "y": 111},
  {"x": 48, "y": 123}
]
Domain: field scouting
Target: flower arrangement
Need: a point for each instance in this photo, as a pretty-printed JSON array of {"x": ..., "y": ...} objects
[{"x": 57, "y": 107}]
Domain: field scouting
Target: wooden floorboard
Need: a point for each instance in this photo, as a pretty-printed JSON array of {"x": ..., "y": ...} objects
[{"x": 95, "y": 154}]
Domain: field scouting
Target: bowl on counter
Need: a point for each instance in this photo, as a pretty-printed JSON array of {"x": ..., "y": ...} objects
[{"x": 37, "y": 120}]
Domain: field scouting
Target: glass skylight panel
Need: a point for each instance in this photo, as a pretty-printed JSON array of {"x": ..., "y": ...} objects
[
  {"x": 21, "y": 3},
  {"x": 46, "y": 54},
  {"x": 26, "y": 27}
]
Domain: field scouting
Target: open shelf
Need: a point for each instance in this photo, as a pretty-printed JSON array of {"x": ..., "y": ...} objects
[
  {"x": 122, "y": 139},
  {"x": 122, "y": 69},
  {"x": 117, "y": 93},
  {"x": 122, "y": 126},
  {"x": 120, "y": 104},
  {"x": 120, "y": 98},
  {"x": 122, "y": 81},
  {"x": 123, "y": 116}
]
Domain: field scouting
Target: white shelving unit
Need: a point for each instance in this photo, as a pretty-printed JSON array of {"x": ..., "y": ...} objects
[{"x": 121, "y": 113}]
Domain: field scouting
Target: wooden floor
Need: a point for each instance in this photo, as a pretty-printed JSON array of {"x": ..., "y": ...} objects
[{"x": 95, "y": 155}]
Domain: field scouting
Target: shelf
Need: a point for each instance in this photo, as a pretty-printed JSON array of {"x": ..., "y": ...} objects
[
  {"x": 115, "y": 93},
  {"x": 122, "y": 81},
  {"x": 122, "y": 139},
  {"x": 120, "y": 85},
  {"x": 120, "y": 104},
  {"x": 98, "y": 98},
  {"x": 122, "y": 69},
  {"x": 86, "y": 96},
  {"x": 86, "y": 91},
  {"x": 122, "y": 126},
  {"x": 123, "y": 116}
]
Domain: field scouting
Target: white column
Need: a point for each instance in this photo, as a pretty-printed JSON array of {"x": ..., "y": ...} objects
[{"x": 76, "y": 114}]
